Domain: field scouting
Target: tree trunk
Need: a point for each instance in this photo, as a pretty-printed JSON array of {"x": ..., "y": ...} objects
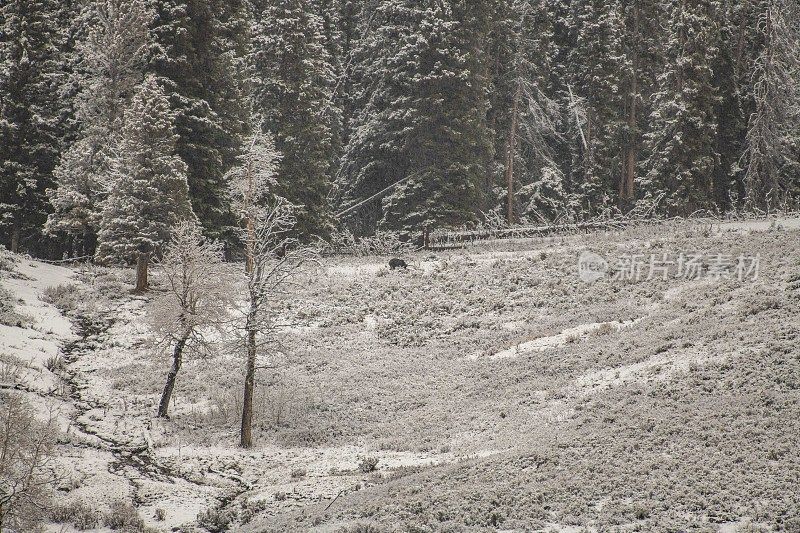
[
  {"x": 627, "y": 184},
  {"x": 15, "y": 236},
  {"x": 511, "y": 149},
  {"x": 177, "y": 359},
  {"x": 246, "y": 440},
  {"x": 249, "y": 198},
  {"x": 426, "y": 238},
  {"x": 141, "y": 271},
  {"x": 2, "y": 514},
  {"x": 251, "y": 240},
  {"x": 88, "y": 242}
]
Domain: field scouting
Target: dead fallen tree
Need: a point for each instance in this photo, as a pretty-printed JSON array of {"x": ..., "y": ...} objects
[{"x": 443, "y": 239}]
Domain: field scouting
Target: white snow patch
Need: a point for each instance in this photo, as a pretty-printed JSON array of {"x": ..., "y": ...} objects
[
  {"x": 658, "y": 367},
  {"x": 555, "y": 341},
  {"x": 355, "y": 270},
  {"x": 37, "y": 277},
  {"x": 370, "y": 322},
  {"x": 32, "y": 346}
]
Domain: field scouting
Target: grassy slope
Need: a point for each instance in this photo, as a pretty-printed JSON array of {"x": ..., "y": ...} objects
[
  {"x": 693, "y": 423},
  {"x": 683, "y": 421}
]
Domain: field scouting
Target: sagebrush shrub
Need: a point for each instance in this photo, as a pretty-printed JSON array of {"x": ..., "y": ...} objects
[
  {"x": 9, "y": 316},
  {"x": 216, "y": 520},
  {"x": 123, "y": 516},
  {"x": 368, "y": 464},
  {"x": 67, "y": 298},
  {"x": 77, "y": 513}
]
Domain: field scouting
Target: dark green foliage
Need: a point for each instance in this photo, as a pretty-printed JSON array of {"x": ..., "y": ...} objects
[
  {"x": 30, "y": 114},
  {"x": 597, "y": 67},
  {"x": 294, "y": 79},
  {"x": 149, "y": 193},
  {"x": 200, "y": 58},
  {"x": 422, "y": 72},
  {"x": 415, "y": 114},
  {"x": 683, "y": 142}
]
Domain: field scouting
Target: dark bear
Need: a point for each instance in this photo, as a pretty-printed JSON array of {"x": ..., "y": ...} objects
[{"x": 397, "y": 263}]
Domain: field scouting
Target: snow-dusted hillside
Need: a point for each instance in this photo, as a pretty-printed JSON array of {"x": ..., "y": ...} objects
[{"x": 484, "y": 389}]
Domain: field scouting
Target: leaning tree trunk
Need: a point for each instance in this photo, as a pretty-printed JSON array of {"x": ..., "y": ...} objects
[
  {"x": 177, "y": 360},
  {"x": 246, "y": 440}
]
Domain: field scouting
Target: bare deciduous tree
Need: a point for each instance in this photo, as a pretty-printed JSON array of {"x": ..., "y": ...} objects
[
  {"x": 274, "y": 257},
  {"x": 196, "y": 300},
  {"x": 27, "y": 472}
]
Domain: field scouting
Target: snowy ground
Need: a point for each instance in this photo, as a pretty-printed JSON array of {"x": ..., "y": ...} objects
[{"x": 496, "y": 390}]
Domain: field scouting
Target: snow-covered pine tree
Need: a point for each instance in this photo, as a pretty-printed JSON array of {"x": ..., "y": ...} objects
[
  {"x": 378, "y": 113},
  {"x": 333, "y": 26},
  {"x": 502, "y": 53},
  {"x": 200, "y": 59},
  {"x": 423, "y": 79},
  {"x": 523, "y": 115},
  {"x": 109, "y": 62},
  {"x": 294, "y": 81},
  {"x": 597, "y": 67},
  {"x": 641, "y": 63},
  {"x": 149, "y": 193},
  {"x": 29, "y": 116},
  {"x": 773, "y": 136},
  {"x": 351, "y": 29},
  {"x": 330, "y": 13},
  {"x": 682, "y": 144},
  {"x": 730, "y": 82},
  {"x": 450, "y": 147}
]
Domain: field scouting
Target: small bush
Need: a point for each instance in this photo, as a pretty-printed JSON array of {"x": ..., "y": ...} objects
[
  {"x": 640, "y": 512},
  {"x": 79, "y": 514},
  {"x": 8, "y": 262},
  {"x": 216, "y": 520},
  {"x": 123, "y": 516},
  {"x": 368, "y": 464},
  {"x": 382, "y": 243},
  {"x": 606, "y": 328},
  {"x": 54, "y": 363},
  {"x": 8, "y": 314},
  {"x": 67, "y": 298},
  {"x": 161, "y": 514},
  {"x": 298, "y": 473},
  {"x": 251, "y": 508}
]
